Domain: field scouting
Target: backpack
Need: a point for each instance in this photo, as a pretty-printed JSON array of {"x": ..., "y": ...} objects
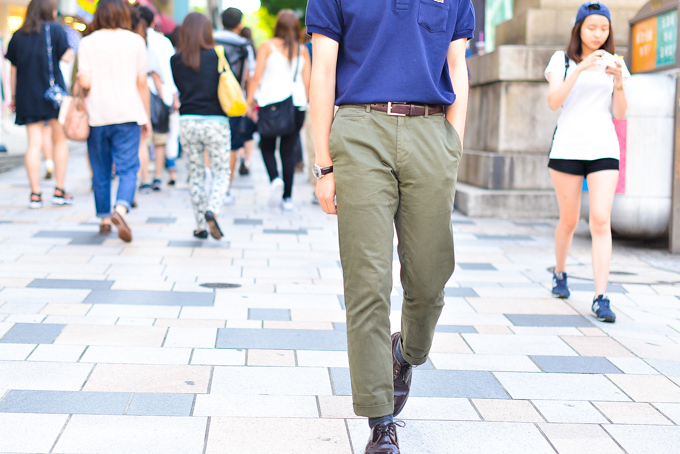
[{"x": 236, "y": 52}]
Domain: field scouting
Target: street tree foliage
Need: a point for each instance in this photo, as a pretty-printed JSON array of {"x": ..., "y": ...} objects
[{"x": 274, "y": 6}]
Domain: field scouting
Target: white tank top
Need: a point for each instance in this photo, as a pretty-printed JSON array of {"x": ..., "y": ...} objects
[{"x": 277, "y": 80}]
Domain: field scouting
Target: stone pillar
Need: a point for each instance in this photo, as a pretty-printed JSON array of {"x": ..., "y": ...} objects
[{"x": 509, "y": 130}]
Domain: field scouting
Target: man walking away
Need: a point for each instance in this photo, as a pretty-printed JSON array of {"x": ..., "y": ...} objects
[
  {"x": 241, "y": 58},
  {"x": 391, "y": 158}
]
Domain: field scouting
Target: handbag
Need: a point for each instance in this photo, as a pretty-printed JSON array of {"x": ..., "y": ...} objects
[
  {"x": 229, "y": 91},
  {"x": 278, "y": 119},
  {"x": 160, "y": 114},
  {"x": 73, "y": 115},
  {"x": 54, "y": 94}
]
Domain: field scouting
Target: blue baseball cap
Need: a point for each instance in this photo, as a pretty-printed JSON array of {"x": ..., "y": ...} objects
[{"x": 590, "y": 8}]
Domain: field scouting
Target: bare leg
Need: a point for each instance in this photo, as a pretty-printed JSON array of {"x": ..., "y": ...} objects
[
  {"x": 48, "y": 150},
  {"x": 32, "y": 158},
  {"x": 60, "y": 153},
  {"x": 159, "y": 157},
  {"x": 568, "y": 192},
  {"x": 248, "y": 148},
  {"x": 233, "y": 159},
  {"x": 143, "y": 161},
  {"x": 601, "y": 190}
]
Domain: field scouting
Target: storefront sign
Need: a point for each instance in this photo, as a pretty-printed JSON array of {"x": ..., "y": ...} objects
[{"x": 655, "y": 42}]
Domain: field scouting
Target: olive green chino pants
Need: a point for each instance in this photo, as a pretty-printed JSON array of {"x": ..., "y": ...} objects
[{"x": 392, "y": 172}]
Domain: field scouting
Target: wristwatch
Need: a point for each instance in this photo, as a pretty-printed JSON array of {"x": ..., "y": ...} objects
[{"x": 320, "y": 172}]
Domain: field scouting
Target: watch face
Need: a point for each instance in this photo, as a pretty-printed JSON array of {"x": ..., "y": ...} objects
[{"x": 316, "y": 170}]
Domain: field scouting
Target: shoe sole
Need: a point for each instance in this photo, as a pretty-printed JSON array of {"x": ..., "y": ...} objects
[
  {"x": 603, "y": 319},
  {"x": 35, "y": 205},
  {"x": 564, "y": 297},
  {"x": 124, "y": 232},
  {"x": 215, "y": 231},
  {"x": 61, "y": 201},
  {"x": 275, "y": 193}
]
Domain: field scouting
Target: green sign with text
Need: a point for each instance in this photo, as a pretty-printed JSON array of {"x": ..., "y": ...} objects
[{"x": 666, "y": 38}]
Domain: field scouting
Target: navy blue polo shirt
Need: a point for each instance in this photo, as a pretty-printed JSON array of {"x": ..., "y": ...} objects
[{"x": 392, "y": 50}]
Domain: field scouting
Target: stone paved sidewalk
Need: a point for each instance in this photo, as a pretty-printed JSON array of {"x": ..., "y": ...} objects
[{"x": 107, "y": 347}]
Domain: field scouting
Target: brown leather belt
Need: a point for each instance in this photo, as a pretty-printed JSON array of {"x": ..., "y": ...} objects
[{"x": 402, "y": 109}]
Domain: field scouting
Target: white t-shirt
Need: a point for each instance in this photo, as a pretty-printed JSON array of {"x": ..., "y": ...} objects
[
  {"x": 113, "y": 59},
  {"x": 160, "y": 51},
  {"x": 585, "y": 130},
  {"x": 277, "y": 80}
]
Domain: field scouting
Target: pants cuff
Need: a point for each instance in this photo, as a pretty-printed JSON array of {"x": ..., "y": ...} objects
[
  {"x": 124, "y": 203},
  {"x": 103, "y": 215},
  {"x": 376, "y": 411}
]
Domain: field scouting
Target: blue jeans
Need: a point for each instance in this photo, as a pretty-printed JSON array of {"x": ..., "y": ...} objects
[{"x": 114, "y": 144}]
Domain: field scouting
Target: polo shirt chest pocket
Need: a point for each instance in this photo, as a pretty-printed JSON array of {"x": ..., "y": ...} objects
[{"x": 433, "y": 15}]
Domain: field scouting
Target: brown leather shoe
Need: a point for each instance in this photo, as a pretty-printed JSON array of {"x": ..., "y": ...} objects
[
  {"x": 104, "y": 229},
  {"x": 383, "y": 439},
  {"x": 124, "y": 232},
  {"x": 402, "y": 374}
]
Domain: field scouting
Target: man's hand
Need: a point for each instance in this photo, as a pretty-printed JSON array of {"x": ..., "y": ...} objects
[
  {"x": 325, "y": 192},
  {"x": 146, "y": 131}
]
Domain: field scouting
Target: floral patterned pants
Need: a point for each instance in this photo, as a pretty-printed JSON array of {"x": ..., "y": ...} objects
[{"x": 198, "y": 138}]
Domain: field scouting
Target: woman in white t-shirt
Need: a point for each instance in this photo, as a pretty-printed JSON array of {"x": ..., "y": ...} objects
[{"x": 587, "y": 82}]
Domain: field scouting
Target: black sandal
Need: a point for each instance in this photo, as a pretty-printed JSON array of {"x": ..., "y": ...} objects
[
  {"x": 201, "y": 234},
  {"x": 36, "y": 200},
  {"x": 61, "y": 197}
]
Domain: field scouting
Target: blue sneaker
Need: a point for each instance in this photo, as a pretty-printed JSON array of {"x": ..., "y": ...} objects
[
  {"x": 560, "y": 289},
  {"x": 601, "y": 309}
]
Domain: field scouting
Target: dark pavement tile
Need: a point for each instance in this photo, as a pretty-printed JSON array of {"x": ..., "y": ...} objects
[
  {"x": 32, "y": 333},
  {"x": 159, "y": 220},
  {"x": 575, "y": 364},
  {"x": 459, "y": 292},
  {"x": 150, "y": 298},
  {"x": 285, "y": 232},
  {"x": 65, "y": 402},
  {"x": 148, "y": 404},
  {"x": 247, "y": 221},
  {"x": 476, "y": 266},
  {"x": 72, "y": 284},
  {"x": 455, "y": 329},
  {"x": 281, "y": 339},
  {"x": 577, "y": 321}
]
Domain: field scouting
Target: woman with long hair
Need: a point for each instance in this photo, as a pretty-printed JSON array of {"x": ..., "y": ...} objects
[
  {"x": 28, "y": 50},
  {"x": 204, "y": 127},
  {"x": 587, "y": 81},
  {"x": 112, "y": 65},
  {"x": 283, "y": 69}
]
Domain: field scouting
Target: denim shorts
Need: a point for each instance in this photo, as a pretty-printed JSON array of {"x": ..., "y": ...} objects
[{"x": 580, "y": 167}]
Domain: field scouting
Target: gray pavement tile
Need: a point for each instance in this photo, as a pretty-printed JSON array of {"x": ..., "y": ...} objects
[
  {"x": 435, "y": 383},
  {"x": 549, "y": 320},
  {"x": 646, "y": 439},
  {"x": 489, "y": 237},
  {"x": 200, "y": 244},
  {"x": 590, "y": 287},
  {"x": 668, "y": 368},
  {"x": 476, "y": 266},
  {"x": 247, "y": 221},
  {"x": 285, "y": 232},
  {"x": 282, "y": 315},
  {"x": 65, "y": 402},
  {"x": 161, "y": 220},
  {"x": 32, "y": 333},
  {"x": 455, "y": 329},
  {"x": 77, "y": 236},
  {"x": 71, "y": 283},
  {"x": 340, "y": 326},
  {"x": 462, "y": 222},
  {"x": 150, "y": 298},
  {"x": 459, "y": 292},
  {"x": 341, "y": 300},
  {"x": 281, "y": 339},
  {"x": 534, "y": 224},
  {"x": 148, "y": 404},
  {"x": 576, "y": 364}
]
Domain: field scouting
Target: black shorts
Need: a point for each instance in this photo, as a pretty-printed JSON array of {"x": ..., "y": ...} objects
[
  {"x": 580, "y": 167},
  {"x": 242, "y": 130}
]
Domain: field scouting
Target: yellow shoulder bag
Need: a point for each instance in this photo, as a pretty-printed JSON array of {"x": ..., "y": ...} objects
[{"x": 229, "y": 90}]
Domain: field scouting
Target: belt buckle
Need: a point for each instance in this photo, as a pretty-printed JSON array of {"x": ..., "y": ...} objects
[{"x": 389, "y": 111}]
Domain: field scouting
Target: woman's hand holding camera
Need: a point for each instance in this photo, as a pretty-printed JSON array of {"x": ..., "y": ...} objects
[{"x": 591, "y": 60}]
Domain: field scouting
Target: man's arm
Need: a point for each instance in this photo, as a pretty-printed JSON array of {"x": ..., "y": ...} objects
[
  {"x": 321, "y": 104},
  {"x": 457, "y": 112}
]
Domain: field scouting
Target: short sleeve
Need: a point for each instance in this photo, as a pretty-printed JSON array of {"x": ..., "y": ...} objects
[
  {"x": 556, "y": 64},
  {"x": 60, "y": 40},
  {"x": 325, "y": 18},
  {"x": 84, "y": 58},
  {"x": 11, "y": 54},
  {"x": 465, "y": 21}
]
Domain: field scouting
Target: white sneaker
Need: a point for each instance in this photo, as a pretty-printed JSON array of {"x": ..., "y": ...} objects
[
  {"x": 229, "y": 199},
  {"x": 287, "y": 204},
  {"x": 275, "y": 192}
]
